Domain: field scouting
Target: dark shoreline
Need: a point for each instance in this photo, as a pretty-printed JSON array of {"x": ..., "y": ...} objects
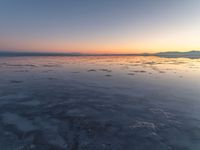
[{"x": 190, "y": 54}]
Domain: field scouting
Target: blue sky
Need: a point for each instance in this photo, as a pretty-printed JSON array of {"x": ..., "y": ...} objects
[{"x": 99, "y": 25}]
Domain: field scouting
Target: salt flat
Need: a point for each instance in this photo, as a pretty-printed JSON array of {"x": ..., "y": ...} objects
[{"x": 99, "y": 102}]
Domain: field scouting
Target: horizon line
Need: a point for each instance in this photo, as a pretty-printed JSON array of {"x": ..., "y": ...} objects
[
  {"x": 194, "y": 54},
  {"x": 3, "y": 52}
]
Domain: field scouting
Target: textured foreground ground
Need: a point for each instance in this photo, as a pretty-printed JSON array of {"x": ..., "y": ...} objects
[{"x": 97, "y": 103}]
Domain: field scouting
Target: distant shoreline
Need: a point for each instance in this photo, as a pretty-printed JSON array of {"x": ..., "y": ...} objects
[{"x": 189, "y": 54}]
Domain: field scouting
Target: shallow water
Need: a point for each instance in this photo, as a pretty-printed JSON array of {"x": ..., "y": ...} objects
[{"x": 95, "y": 103}]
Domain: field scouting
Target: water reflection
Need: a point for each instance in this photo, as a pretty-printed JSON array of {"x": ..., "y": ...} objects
[{"x": 99, "y": 103}]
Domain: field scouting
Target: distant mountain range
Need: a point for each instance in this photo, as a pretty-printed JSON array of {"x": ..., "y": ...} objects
[{"x": 190, "y": 54}]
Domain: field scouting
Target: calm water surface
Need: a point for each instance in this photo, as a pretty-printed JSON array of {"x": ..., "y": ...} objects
[{"x": 99, "y": 103}]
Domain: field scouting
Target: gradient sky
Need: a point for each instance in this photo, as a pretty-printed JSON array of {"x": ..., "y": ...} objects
[{"x": 99, "y": 26}]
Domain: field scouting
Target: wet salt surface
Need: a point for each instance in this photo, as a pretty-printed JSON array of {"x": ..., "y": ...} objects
[{"x": 99, "y": 103}]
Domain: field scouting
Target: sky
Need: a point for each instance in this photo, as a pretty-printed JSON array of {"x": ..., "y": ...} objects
[{"x": 99, "y": 26}]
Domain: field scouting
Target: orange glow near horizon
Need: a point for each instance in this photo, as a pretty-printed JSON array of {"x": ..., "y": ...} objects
[
  {"x": 95, "y": 48},
  {"x": 184, "y": 39}
]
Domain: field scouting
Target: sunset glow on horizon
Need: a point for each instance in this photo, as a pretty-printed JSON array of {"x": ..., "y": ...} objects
[{"x": 114, "y": 26}]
